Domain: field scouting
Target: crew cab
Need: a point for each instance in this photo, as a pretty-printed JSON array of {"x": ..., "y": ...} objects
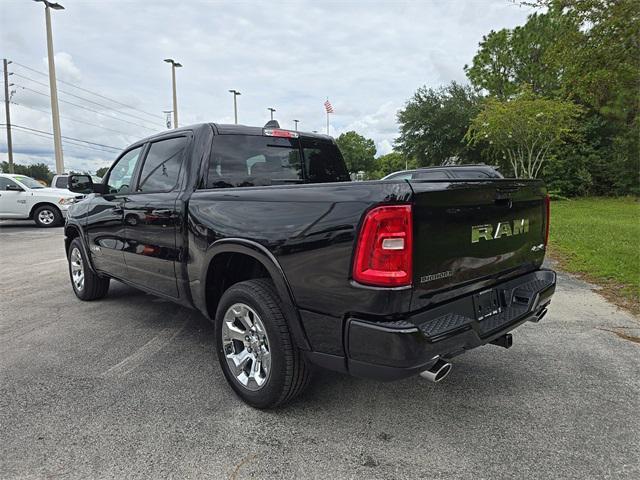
[
  {"x": 23, "y": 198},
  {"x": 261, "y": 231}
]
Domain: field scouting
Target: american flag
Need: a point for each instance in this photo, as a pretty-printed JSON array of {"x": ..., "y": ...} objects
[{"x": 328, "y": 107}]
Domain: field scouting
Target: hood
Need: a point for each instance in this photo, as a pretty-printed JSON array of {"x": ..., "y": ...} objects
[{"x": 62, "y": 192}]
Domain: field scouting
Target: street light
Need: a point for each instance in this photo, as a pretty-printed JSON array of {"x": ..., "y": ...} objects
[
  {"x": 296, "y": 122},
  {"x": 174, "y": 65},
  {"x": 271, "y": 110},
  {"x": 235, "y": 104},
  {"x": 55, "y": 113}
]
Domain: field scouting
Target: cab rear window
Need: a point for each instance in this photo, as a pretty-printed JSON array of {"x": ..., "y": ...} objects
[{"x": 253, "y": 160}]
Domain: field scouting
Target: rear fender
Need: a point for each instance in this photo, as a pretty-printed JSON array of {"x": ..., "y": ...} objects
[{"x": 270, "y": 263}]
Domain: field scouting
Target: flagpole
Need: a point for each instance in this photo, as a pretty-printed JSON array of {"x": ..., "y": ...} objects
[{"x": 327, "y": 123}]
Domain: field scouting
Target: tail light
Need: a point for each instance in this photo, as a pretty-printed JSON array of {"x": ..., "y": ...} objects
[
  {"x": 383, "y": 256},
  {"x": 547, "y": 202}
]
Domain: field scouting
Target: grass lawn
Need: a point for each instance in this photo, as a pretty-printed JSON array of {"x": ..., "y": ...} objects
[{"x": 599, "y": 238}]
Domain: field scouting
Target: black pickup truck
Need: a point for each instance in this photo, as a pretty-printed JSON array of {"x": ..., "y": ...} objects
[{"x": 261, "y": 230}]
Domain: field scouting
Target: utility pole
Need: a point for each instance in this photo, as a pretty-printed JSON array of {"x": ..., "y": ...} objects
[
  {"x": 235, "y": 104},
  {"x": 296, "y": 122},
  {"x": 55, "y": 113},
  {"x": 8, "y": 113},
  {"x": 271, "y": 110},
  {"x": 174, "y": 65}
]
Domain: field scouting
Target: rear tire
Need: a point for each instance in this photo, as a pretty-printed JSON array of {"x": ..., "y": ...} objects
[
  {"x": 86, "y": 284},
  {"x": 47, "y": 216},
  {"x": 257, "y": 353}
]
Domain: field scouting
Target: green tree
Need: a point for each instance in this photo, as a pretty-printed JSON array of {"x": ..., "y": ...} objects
[
  {"x": 358, "y": 152},
  {"x": 523, "y": 130},
  {"x": 392, "y": 162},
  {"x": 101, "y": 172},
  {"x": 39, "y": 171},
  {"x": 433, "y": 124},
  {"x": 510, "y": 58}
]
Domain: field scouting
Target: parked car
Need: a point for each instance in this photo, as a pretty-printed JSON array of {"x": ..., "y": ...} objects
[
  {"x": 62, "y": 180},
  {"x": 22, "y": 198},
  {"x": 260, "y": 230},
  {"x": 466, "y": 172}
]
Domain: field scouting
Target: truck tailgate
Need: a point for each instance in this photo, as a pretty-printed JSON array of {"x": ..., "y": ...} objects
[{"x": 466, "y": 231}]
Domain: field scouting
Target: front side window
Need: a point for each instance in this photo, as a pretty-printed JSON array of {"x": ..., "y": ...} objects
[
  {"x": 5, "y": 182},
  {"x": 121, "y": 174},
  {"x": 29, "y": 182},
  {"x": 162, "y": 165},
  {"x": 323, "y": 161},
  {"x": 250, "y": 160}
]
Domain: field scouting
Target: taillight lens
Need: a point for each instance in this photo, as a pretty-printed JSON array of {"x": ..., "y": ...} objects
[
  {"x": 383, "y": 255},
  {"x": 547, "y": 203}
]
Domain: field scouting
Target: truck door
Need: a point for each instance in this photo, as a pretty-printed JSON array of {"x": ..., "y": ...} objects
[
  {"x": 13, "y": 199},
  {"x": 151, "y": 217},
  {"x": 105, "y": 217}
]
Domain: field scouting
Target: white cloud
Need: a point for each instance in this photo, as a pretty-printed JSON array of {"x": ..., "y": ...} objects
[{"x": 367, "y": 57}]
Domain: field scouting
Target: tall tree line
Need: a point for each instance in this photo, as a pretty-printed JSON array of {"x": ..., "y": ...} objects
[{"x": 570, "y": 75}]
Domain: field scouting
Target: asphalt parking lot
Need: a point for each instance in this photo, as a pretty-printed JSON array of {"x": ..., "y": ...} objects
[{"x": 130, "y": 387}]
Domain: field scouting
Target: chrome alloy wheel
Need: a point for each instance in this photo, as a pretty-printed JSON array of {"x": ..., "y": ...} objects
[
  {"x": 77, "y": 269},
  {"x": 46, "y": 217},
  {"x": 246, "y": 346}
]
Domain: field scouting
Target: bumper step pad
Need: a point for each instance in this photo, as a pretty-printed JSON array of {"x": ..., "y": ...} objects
[{"x": 518, "y": 299}]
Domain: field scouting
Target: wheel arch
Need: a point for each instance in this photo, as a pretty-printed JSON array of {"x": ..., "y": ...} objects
[
  {"x": 227, "y": 253},
  {"x": 71, "y": 232},
  {"x": 43, "y": 204}
]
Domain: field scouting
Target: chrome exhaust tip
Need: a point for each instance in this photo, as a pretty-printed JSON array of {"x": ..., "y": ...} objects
[{"x": 437, "y": 372}]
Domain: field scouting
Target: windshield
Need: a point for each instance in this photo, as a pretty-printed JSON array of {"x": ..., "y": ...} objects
[{"x": 28, "y": 182}]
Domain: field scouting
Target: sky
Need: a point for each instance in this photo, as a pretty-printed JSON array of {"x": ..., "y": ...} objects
[{"x": 366, "y": 57}]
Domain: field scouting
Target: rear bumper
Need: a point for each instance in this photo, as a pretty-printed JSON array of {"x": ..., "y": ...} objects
[{"x": 393, "y": 350}]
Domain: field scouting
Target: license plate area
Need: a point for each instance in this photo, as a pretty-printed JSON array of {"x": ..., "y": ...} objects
[{"x": 486, "y": 304}]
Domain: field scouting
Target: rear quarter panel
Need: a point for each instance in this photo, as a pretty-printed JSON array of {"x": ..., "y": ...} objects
[{"x": 309, "y": 229}]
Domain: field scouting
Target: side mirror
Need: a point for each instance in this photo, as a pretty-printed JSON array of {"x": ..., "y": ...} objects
[
  {"x": 80, "y": 183},
  {"x": 14, "y": 188}
]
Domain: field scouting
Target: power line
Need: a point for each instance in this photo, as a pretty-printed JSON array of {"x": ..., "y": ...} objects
[
  {"x": 72, "y": 119},
  {"x": 66, "y": 138},
  {"x": 84, "y": 108},
  {"x": 156, "y": 116},
  {"x": 83, "y": 98},
  {"x": 65, "y": 142}
]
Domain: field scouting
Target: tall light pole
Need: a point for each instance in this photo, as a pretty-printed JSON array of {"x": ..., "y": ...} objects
[
  {"x": 235, "y": 104},
  {"x": 271, "y": 110},
  {"x": 7, "y": 111},
  {"x": 296, "y": 122},
  {"x": 55, "y": 113},
  {"x": 174, "y": 65}
]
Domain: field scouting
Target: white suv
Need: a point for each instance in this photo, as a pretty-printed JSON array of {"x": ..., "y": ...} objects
[{"x": 22, "y": 197}]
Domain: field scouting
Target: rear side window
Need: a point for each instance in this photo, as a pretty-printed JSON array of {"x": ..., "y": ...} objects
[
  {"x": 62, "y": 182},
  {"x": 250, "y": 160},
  {"x": 430, "y": 175},
  {"x": 162, "y": 165},
  {"x": 470, "y": 174},
  {"x": 323, "y": 161}
]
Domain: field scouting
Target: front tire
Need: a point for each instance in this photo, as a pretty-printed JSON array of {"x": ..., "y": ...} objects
[
  {"x": 86, "y": 284},
  {"x": 255, "y": 348},
  {"x": 47, "y": 216}
]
